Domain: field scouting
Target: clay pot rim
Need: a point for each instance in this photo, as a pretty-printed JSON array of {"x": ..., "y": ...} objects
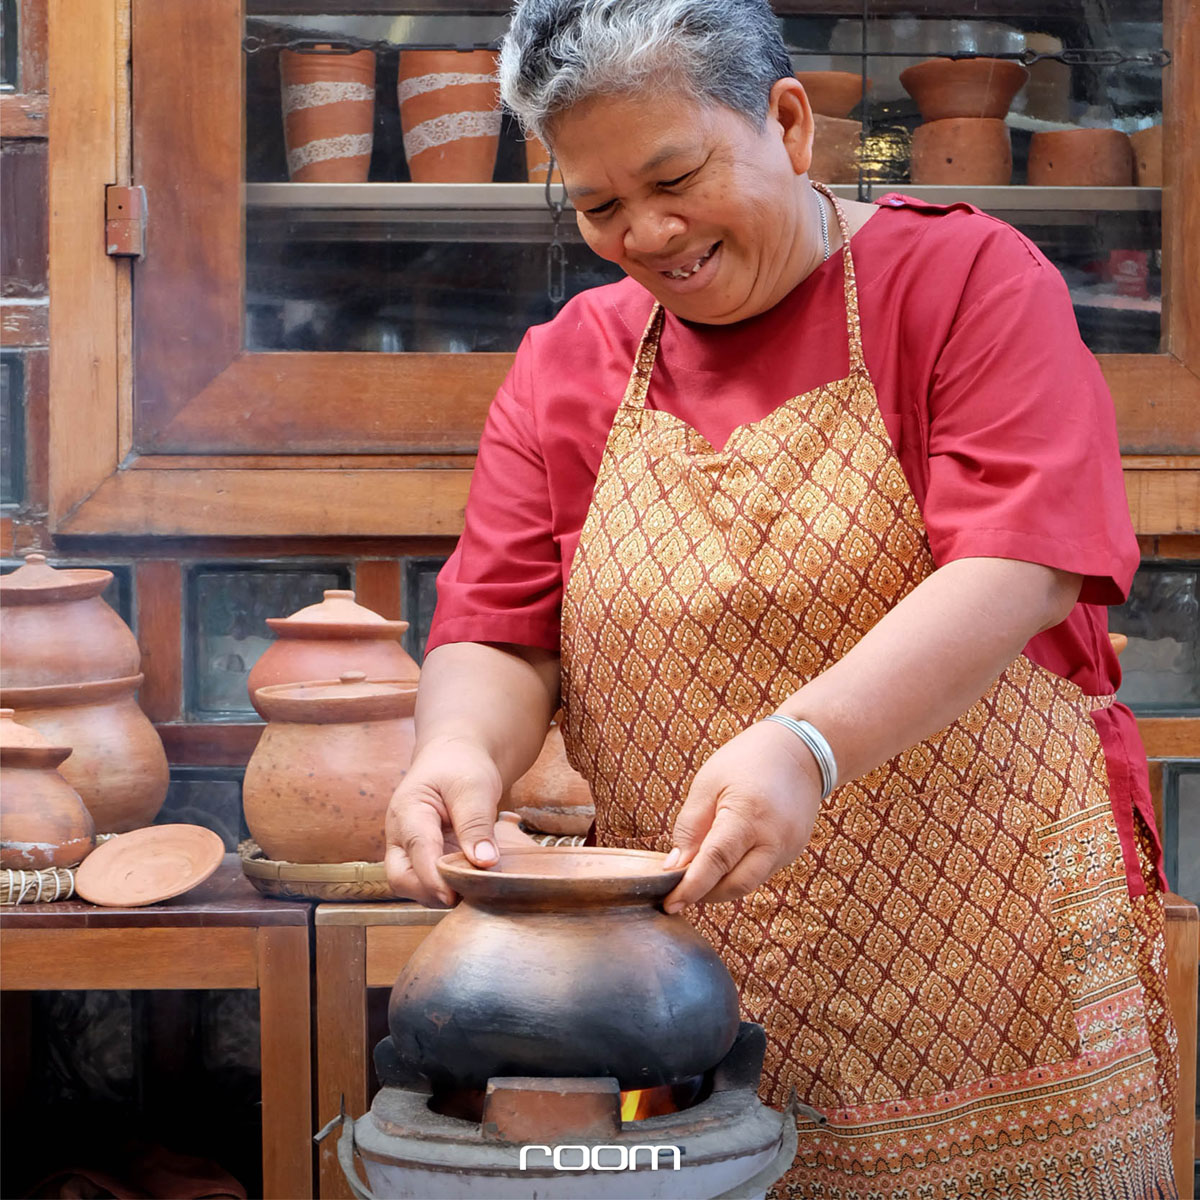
[
  {"x": 56, "y": 583},
  {"x": 643, "y": 879},
  {"x": 293, "y": 703},
  {"x": 62, "y": 695}
]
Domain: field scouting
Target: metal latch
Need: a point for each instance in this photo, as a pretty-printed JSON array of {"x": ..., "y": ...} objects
[{"x": 125, "y": 221}]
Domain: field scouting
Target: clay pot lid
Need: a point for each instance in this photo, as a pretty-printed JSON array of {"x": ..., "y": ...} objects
[
  {"x": 149, "y": 865},
  {"x": 63, "y": 695},
  {"x": 832, "y": 93},
  {"x": 353, "y": 697},
  {"x": 21, "y": 746},
  {"x": 991, "y": 82},
  {"x": 37, "y": 582},
  {"x": 337, "y": 616},
  {"x": 563, "y": 877}
]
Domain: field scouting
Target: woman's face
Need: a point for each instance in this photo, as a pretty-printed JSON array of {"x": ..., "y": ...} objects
[{"x": 711, "y": 215}]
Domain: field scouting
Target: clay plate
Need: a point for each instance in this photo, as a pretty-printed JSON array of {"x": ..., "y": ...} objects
[{"x": 149, "y": 865}]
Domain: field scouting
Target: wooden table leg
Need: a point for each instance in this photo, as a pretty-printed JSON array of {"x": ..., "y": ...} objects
[
  {"x": 286, "y": 1048},
  {"x": 342, "y": 1068},
  {"x": 1183, "y": 954}
]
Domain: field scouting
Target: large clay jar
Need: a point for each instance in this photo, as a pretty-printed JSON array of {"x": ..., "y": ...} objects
[
  {"x": 964, "y": 87},
  {"x": 450, "y": 114},
  {"x": 324, "y": 640},
  {"x": 55, "y": 629},
  {"x": 832, "y": 93},
  {"x": 328, "y": 114},
  {"x": 836, "y": 144},
  {"x": 43, "y": 822},
  {"x": 1080, "y": 158},
  {"x": 962, "y": 150},
  {"x": 552, "y": 797},
  {"x": 1148, "y": 156},
  {"x": 117, "y": 763},
  {"x": 318, "y": 784},
  {"x": 562, "y": 962}
]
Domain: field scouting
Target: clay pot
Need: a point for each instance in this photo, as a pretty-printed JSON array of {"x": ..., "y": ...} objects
[
  {"x": 1080, "y": 158},
  {"x": 450, "y": 114},
  {"x": 831, "y": 93},
  {"x": 836, "y": 145},
  {"x": 962, "y": 150},
  {"x": 552, "y": 797},
  {"x": 328, "y": 114},
  {"x": 117, "y": 763},
  {"x": 966, "y": 87},
  {"x": 43, "y": 822},
  {"x": 55, "y": 629},
  {"x": 318, "y": 784},
  {"x": 562, "y": 962},
  {"x": 1148, "y": 156},
  {"x": 537, "y": 161},
  {"x": 324, "y": 640}
]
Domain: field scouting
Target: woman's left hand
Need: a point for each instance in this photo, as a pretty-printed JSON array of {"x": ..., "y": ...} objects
[{"x": 750, "y": 811}]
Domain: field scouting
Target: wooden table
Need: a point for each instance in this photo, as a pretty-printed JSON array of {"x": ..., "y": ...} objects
[
  {"x": 223, "y": 934},
  {"x": 358, "y": 946}
]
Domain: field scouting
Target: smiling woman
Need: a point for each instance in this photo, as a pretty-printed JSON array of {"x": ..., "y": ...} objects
[{"x": 848, "y": 465}]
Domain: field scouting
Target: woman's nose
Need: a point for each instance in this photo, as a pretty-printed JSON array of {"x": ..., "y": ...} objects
[{"x": 651, "y": 230}]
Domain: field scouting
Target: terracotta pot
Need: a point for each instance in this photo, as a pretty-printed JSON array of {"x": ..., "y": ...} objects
[
  {"x": 832, "y": 93},
  {"x": 117, "y": 763},
  {"x": 318, "y": 783},
  {"x": 450, "y": 114},
  {"x": 43, "y": 822},
  {"x": 537, "y": 161},
  {"x": 962, "y": 150},
  {"x": 324, "y": 640},
  {"x": 552, "y": 796},
  {"x": 561, "y": 962},
  {"x": 1080, "y": 158},
  {"x": 836, "y": 144},
  {"x": 55, "y": 629},
  {"x": 966, "y": 87},
  {"x": 1148, "y": 156},
  {"x": 328, "y": 114}
]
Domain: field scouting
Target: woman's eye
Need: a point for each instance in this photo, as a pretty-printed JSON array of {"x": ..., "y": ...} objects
[
  {"x": 669, "y": 183},
  {"x": 601, "y": 210}
]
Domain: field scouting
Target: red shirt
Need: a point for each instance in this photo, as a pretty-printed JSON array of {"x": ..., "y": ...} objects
[{"x": 998, "y": 413}]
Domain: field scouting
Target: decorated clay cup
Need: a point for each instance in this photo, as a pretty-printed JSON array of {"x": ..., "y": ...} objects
[{"x": 328, "y": 100}]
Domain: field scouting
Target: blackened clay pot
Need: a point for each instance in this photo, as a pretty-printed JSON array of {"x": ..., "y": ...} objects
[{"x": 561, "y": 961}]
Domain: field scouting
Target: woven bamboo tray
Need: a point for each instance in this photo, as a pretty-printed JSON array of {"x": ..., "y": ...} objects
[{"x": 351, "y": 883}]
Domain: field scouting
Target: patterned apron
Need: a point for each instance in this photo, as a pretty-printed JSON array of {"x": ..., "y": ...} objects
[{"x": 953, "y": 971}]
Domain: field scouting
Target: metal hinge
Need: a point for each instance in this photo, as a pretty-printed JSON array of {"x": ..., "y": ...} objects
[{"x": 124, "y": 221}]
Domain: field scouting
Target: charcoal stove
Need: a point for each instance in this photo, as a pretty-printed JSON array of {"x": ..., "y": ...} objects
[{"x": 541, "y": 1138}]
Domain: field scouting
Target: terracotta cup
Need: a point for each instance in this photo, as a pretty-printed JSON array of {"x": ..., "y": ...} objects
[
  {"x": 117, "y": 762},
  {"x": 43, "y": 822},
  {"x": 1080, "y": 158},
  {"x": 537, "y": 161},
  {"x": 326, "y": 639},
  {"x": 962, "y": 150},
  {"x": 1148, "y": 156},
  {"x": 552, "y": 797},
  {"x": 328, "y": 114},
  {"x": 318, "y": 783},
  {"x": 55, "y": 629},
  {"x": 836, "y": 145},
  {"x": 966, "y": 87},
  {"x": 832, "y": 93},
  {"x": 450, "y": 114}
]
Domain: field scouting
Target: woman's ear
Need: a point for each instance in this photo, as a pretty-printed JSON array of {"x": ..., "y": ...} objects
[{"x": 788, "y": 104}]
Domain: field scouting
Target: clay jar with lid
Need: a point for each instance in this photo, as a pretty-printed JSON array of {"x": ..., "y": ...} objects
[
  {"x": 43, "y": 822},
  {"x": 117, "y": 762},
  {"x": 318, "y": 784},
  {"x": 55, "y": 629},
  {"x": 561, "y": 961},
  {"x": 324, "y": 640}
]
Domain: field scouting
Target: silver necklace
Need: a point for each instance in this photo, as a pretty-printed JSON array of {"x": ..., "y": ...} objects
[{"x": 824, "y": 225}]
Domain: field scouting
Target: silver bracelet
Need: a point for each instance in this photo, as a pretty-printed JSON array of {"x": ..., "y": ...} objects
[{"x": 815, "y": 741}]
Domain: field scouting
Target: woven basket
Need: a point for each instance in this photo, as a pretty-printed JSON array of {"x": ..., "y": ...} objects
[{"x": 348, "y": 882}]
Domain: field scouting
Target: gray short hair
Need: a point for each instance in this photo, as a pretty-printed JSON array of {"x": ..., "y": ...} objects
[{"x": 558, "y": 52}]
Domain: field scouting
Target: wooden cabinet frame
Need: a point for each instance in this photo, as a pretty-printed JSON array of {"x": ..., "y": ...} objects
[{"x": 188, "y": 435}]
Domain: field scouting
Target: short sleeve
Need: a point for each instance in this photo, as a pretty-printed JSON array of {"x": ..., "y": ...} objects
[
  {"x": 1024, "y": 461},
  {"x": 503, "y": 583}
]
